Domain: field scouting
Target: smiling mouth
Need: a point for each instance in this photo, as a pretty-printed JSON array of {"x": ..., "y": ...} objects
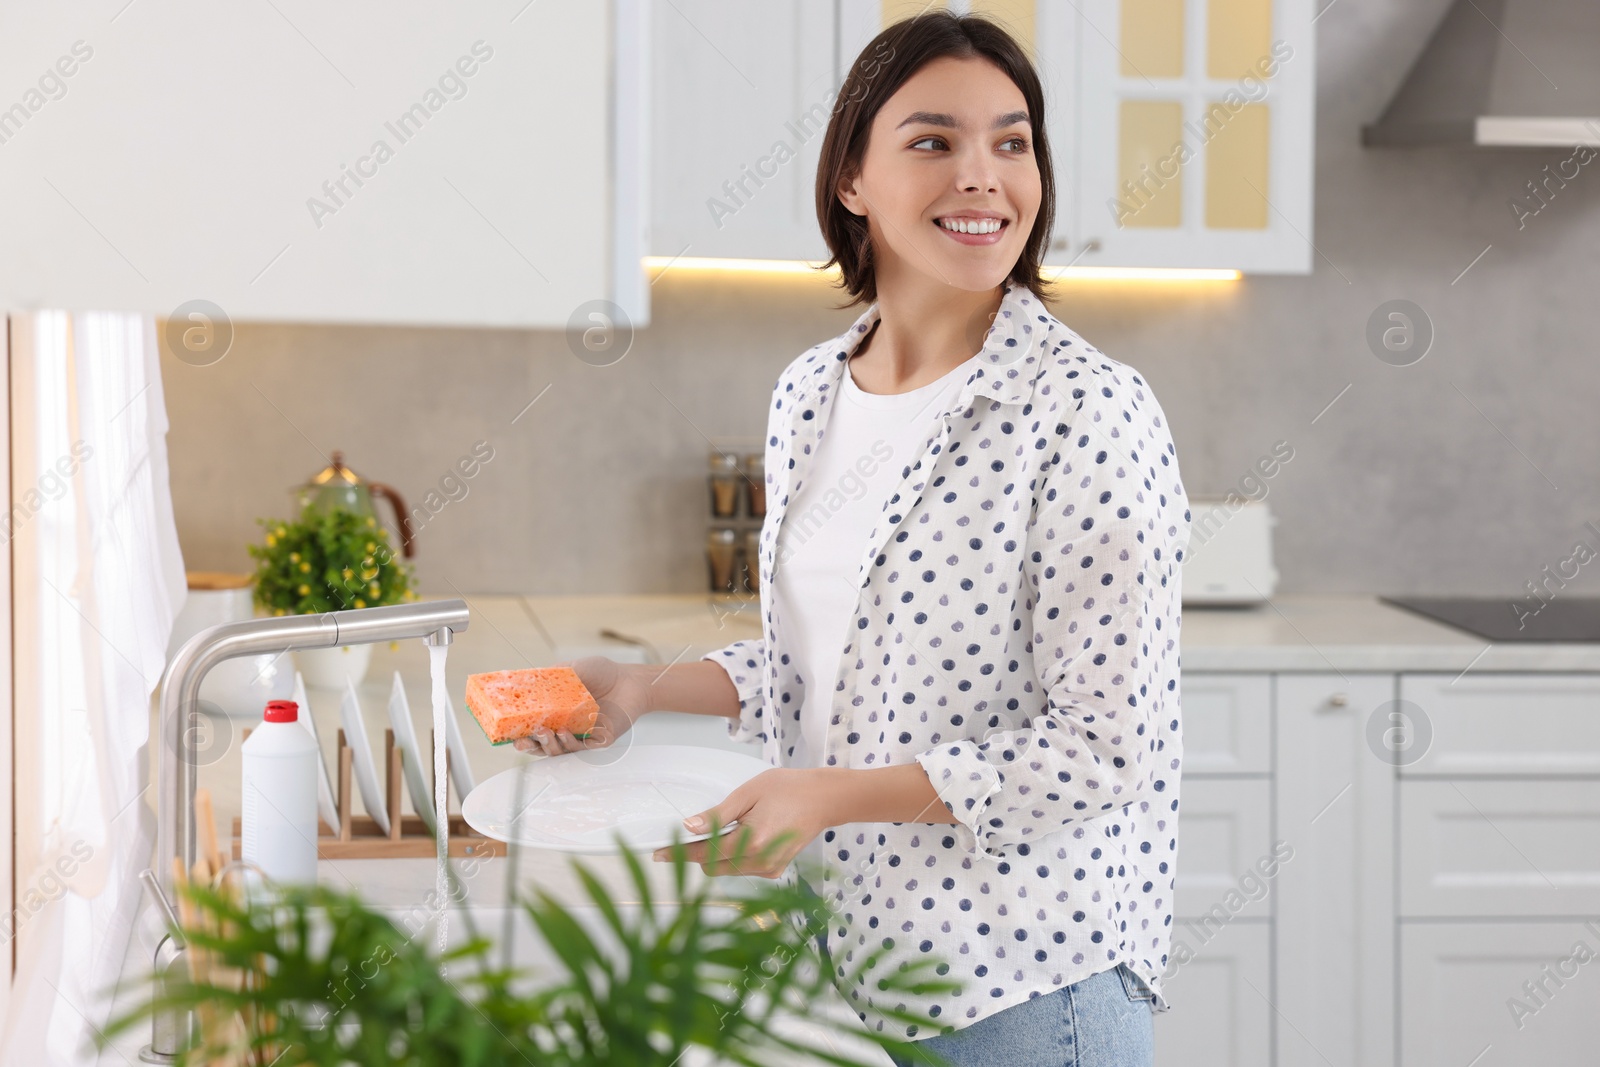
[{"x": 976, "y": 227}]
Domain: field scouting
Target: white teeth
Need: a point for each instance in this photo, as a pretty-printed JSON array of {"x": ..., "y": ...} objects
[{"x": 971, "y": 225}]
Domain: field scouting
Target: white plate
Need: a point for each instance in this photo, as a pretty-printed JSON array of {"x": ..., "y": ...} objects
[
  {"x": 569, "y": 803},
  {"x": 405, "y": 738},
  {"x": 456, "y": 755},
  {"x": 326, "y": 807},
  {"x": 366, "y": 772}
]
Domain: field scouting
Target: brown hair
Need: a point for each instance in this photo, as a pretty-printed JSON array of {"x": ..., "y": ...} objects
[{"x": 884, "y": 65}]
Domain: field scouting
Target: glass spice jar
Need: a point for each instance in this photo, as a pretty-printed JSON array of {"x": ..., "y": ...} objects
[
  {"x": 724, "y": 480},
  {"x": 721, "y": 548},
  {"x": 755, "y": 484}
]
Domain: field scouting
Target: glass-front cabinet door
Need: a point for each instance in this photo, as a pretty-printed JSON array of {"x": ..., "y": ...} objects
[{"x": 1195, "y": 133}]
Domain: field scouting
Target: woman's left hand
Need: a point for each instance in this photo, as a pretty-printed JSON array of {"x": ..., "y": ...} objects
[{"x": 774, "y": 802}]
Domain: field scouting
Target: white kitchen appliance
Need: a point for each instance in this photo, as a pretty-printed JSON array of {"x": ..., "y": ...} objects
[{"x": 1229, "y": 558}]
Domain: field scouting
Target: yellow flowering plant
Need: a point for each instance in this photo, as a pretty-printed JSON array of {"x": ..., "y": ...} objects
[{"x": 327, "y": 560}]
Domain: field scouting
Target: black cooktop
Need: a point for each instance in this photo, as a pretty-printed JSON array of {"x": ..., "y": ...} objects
[{"x": 1575, "y": 618}]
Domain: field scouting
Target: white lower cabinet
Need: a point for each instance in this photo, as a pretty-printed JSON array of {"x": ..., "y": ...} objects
[
  {"x": 1497, "y": 870},
  {"x": 1497, "y": 723},
  {"x": 1334, "y": 805},
  {"x": 1227, "y": 724},
  {"x": 1446, "y": 849},
  {"x": 1498, "y": 994},
  {"x": 1524, "y": 847},
  {"x": 1225, "y": 860},
  {"x": 1434, "y": 841},
  {"x": 1220, "y": 992},
  {"x": 1219, "y": 971}
]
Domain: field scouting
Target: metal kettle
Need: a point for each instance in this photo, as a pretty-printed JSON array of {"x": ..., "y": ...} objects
[{"x": 336, "y": 486}]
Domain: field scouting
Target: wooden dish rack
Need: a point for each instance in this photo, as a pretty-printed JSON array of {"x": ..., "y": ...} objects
[{"x": 358, "y": 837}]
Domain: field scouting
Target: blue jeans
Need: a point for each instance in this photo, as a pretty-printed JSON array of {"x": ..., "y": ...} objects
[{"x": 1102, "y": 1021}]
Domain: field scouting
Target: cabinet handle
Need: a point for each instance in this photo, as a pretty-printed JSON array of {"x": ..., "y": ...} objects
[{"x": 1339, "y": 700}]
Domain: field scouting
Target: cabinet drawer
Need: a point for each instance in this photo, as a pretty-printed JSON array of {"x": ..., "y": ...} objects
[
  {"x": 1221, "y": 995},
  {"x": 1527, "y": 724},
  {"x": 1227, "y": 724},
  {"x": 1492, "y": 848},
  {"x": 1225, "y": 862},
  {"x": 1461, "y": 984}
]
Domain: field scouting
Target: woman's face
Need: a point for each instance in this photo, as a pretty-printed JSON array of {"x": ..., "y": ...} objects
[{"x": 952, "y": 148}]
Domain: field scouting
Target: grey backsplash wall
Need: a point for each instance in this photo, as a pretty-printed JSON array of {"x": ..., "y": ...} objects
[{"x": 1468, "y": 472}]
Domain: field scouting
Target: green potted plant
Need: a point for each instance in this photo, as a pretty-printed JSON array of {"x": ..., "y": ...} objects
[
  {"x": 327, "y": 560},
  {"x": 316, "y": 976}
]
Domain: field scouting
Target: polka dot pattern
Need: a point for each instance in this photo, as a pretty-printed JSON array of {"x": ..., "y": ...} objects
[{"x": 1017, "y": 636}]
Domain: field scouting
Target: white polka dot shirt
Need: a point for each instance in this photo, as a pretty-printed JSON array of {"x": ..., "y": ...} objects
[{"x": 1017, "y": 636}]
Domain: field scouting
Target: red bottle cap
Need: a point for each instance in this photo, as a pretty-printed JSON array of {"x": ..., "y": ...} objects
[{"x": 282, "y": 711}]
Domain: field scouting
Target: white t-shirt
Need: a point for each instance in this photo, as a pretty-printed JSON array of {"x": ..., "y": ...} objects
[{"x": 868, "y": 441}]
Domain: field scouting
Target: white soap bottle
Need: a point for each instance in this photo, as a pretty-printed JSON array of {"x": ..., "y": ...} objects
[{"x": 279, "y": 797}]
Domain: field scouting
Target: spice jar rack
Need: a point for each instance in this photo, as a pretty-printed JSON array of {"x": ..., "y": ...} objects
[{"x": 737, "y": 502}]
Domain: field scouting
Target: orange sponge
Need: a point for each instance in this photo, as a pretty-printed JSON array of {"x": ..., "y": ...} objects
[{"x": 513, "y": 704}]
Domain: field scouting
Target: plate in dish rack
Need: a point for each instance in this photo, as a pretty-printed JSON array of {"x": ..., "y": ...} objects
[{"x": 570, "y": 803}]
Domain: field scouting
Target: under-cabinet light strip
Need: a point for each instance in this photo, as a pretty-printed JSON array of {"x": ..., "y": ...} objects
[{"x": 660, "y": 264}]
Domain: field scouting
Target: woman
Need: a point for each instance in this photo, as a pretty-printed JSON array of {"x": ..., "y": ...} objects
[{"x": 968, "y": 677}]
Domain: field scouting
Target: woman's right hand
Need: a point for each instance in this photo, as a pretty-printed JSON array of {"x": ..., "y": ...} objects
[{"x": 623, "y": 694}]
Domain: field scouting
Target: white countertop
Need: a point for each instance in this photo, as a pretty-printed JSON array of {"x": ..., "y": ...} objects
[
  {"x": 1346, "y": 632},
  {"x": 1356, "y": 633}
]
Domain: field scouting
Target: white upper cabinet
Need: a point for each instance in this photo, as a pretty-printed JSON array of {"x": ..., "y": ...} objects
[
  {"x": 1194, "y": 134},
  {"x": 1181, "y": 130},
  {"x": 742, "y": 97},
  {"x": 403, "y": 163}
]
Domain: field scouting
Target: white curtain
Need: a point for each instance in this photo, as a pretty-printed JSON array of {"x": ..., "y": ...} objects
[{"x": 98, "y": 577}]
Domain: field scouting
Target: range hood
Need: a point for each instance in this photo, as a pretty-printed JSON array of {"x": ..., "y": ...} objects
[{"x": 1502, "y": 74}]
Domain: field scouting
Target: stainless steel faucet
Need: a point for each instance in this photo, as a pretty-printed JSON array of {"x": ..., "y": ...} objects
[{"x": 435, "y": 621}]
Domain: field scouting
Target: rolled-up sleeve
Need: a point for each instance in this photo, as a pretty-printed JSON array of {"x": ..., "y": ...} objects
[
  {"x": 1102, "y": 567},
  {"x": 746, "y": 664}
]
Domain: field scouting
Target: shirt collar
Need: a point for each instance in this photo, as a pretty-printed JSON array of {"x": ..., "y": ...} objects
[{"x": 1007, "y": 364}]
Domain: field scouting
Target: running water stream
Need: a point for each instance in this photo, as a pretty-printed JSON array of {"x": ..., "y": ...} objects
[{"x": 441, "y": 785}]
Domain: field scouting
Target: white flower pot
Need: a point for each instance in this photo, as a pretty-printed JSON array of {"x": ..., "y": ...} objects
[{"x": 329, "y": 668}]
